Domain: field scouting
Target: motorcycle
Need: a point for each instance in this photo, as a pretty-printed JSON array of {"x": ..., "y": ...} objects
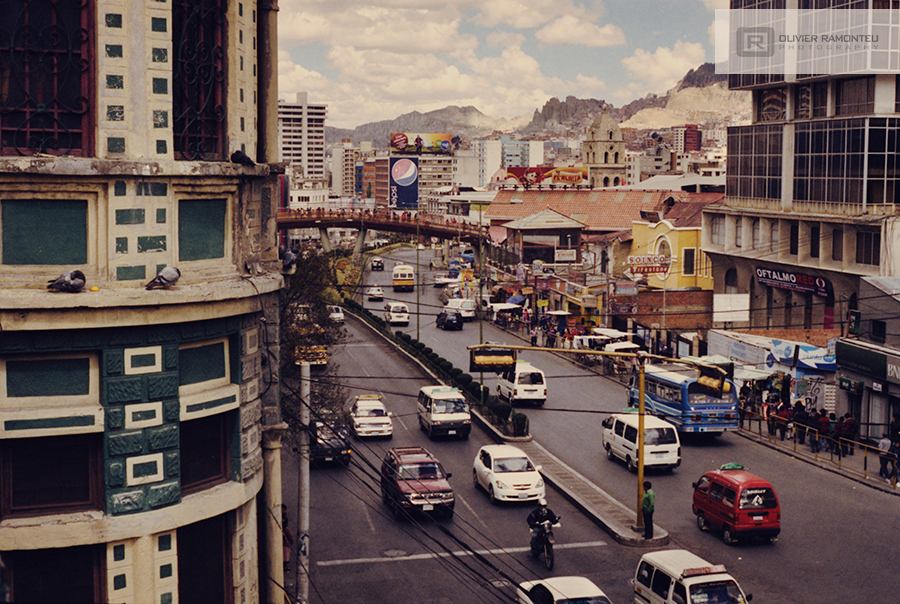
[{"x": 544, "y": 541}]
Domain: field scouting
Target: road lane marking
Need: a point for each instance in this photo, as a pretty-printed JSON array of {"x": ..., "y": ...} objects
[
  {"x": 457, "y": 554},
  {"x": 473, "y": 512},
  {"x": 365, "y": 509}
]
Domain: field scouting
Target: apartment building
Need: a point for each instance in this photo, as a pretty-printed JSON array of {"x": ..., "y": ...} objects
[
  {"x": 301, "y": 134},
  {"x": 138, "y": 426}
]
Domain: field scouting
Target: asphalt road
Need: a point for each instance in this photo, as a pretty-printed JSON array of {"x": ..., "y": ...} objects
[{"x": 838, "y": 543}]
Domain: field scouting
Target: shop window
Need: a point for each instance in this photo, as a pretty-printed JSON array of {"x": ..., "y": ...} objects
[
  {"x": 868, "y": 248},
  {"x": 51, "y": 474},
  {"x": 69, "y": 574},
  {"x": 205, "y": 451}
]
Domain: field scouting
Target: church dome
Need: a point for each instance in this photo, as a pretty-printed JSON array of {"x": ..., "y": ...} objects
[{"x": 604, "y": 128}]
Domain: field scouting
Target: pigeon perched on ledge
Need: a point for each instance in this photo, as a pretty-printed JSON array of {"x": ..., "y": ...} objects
[
  {"x": 166, "y": 278},
  {"x": 70, "y": 281},
  {"x": 289, "y": 257},
  {"x": 239, "y": 157}
]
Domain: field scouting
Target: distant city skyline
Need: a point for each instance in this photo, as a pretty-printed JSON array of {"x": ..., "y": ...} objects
[{"x": 372, "y": 61}]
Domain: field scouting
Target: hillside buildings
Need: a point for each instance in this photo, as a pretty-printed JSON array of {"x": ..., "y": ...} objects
[{"x": 139, "y": 427}]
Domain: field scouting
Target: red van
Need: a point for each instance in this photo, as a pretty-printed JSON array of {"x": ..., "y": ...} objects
[{"x": 738, "y": 503}]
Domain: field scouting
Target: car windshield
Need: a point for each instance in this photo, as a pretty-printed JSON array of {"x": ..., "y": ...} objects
[
  {"x": 513, "y": 464},
  {"x": 421, "y": 471},
  {"x": 376, "y": 412},
  {"x": 659, "y": 436},
  {"x": 532, "y": 378},
  {"x": 589, "y": 600},
  {"x": 757, "y": 499},
  {"x": 450, "y": 406},
  {"x": 716, "y": 592}
]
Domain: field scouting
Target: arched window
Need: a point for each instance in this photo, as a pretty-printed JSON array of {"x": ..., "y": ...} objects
[
  {"x": 606, "y": 181},
  {"x": 616, "y": 182},
  {"x": 731, "y": 281},
  {"x": 606, "y": 157},
  {"x": 616, "y": 157}
]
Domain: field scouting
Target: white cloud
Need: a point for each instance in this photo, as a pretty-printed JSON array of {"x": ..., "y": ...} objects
[
  {"x": 504, "y": 39},
  {"x": 570, "y": 30},
  {"x": 660, "y": 70},
  {"x": 716, "y": 4},
  {"x": 526, "y": 14}
]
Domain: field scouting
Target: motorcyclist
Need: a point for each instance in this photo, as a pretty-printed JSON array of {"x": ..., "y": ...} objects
[{"x": 535, "y": 519}]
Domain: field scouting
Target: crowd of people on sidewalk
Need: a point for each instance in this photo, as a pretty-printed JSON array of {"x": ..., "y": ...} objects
[{"x": 889, "y": 448}]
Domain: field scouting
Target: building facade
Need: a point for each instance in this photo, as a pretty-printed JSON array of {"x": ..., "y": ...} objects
[
  {"x": 301, "y": 131},
  {"x": 811, "y": 197},
  {"x": 138, "y": 427}
]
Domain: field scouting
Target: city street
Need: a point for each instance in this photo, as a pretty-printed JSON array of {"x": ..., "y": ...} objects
[{"x": 835, "y": 532}]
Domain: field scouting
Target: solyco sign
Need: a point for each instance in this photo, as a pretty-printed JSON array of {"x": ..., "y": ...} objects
[{"x": 650, "y": 263}]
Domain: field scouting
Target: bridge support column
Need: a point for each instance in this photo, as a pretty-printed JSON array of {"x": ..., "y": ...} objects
[
  {"x": 360, "y": 242},
  {"x": 445, "y": 250},
  {"x": 326, "y": 242}
]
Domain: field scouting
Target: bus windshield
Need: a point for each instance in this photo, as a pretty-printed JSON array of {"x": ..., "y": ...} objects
[{"x": 716, "y": 592}]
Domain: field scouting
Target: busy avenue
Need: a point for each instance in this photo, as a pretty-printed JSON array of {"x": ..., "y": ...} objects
[{"x": 836, "y": 534}]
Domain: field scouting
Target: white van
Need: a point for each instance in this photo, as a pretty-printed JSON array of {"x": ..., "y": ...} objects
[
  {"x": 443, "y": 410},
  {"x": 524, "y": 384},
  {"x": 677, "y": 576},
  {"x": 465, "y": 307},
  {"x": 662, "y": 448},
  {"x": 396, "y": 313}
]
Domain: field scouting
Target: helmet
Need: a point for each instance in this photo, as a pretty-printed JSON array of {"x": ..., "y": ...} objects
[{"x": 542, "y": 502}]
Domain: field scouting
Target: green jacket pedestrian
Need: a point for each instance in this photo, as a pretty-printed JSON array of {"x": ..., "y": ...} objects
[{"x": 648, "y": 504}]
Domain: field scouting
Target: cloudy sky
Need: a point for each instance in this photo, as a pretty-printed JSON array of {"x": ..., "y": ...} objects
[{"x": 374, "y": 60}]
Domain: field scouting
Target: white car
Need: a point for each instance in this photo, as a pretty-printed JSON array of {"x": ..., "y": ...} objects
[
  {"x": 336, "y": 314},
  {"x": 560, "y": 590},
  {"x": 507, "y": 474},
  {"x": 368, "y": 417},
  {"x": 396, "y": 313},
  {"x": 375, "y": 293}
]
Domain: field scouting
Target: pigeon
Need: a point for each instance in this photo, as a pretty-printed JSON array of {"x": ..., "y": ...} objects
[
  {"x": 166, "y": 278},
  {"x": 239, "y": 157},
  {"x": 289, "y": 258},
  {"x": 69, "y": 281}
]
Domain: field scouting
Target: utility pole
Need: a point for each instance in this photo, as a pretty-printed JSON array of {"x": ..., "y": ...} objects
[
  {"x": 302, "y": 578},
  {"x": 639, "y": 524}
]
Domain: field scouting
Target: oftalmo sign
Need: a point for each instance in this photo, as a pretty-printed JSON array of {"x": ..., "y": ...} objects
[{"x": 797, "y": 282}]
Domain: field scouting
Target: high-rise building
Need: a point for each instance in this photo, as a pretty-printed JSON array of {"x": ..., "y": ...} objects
[
  {"x": 687, "y": 138},
  {"x": 138, "y": 426},
  {"x": 301, "y": 131},
  {"x": 343, "y": 168},
  {"x": 811, "y": 199}
]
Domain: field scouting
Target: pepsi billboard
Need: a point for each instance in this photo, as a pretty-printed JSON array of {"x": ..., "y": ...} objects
[{"x": 404, "y": 183}]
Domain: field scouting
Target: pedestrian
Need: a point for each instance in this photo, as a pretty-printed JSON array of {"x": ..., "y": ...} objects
[
  {"x": 648, "y": 505},
  {"x": 824, "y": 427},
  {"x": 850, "y": 430},
  {"x": 884, "y": 445},
  {"x": 783, "y": 418},
  {"x": 287, "y": 537},
  {"x": 551, "y": 338},
  {"x": 894, "y": 429},
  {"x": 534, "y": 334},
  {"x": 838, "y": 435},
  {"x": 801, "y": 421}
]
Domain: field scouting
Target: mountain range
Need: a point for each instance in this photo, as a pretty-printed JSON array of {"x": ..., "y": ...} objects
[{"x": 700, "y": 97}]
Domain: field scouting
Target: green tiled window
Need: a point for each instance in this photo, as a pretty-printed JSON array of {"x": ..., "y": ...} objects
[
  {"x": 160, "y": 86},
  {"x": 44, "y": 231},
  {"x": 158, "y": 24},
  {"x": 113, "y": 20},
  {"x": 155, "y": 243},
  {"x": 161, "y": 216},
  {"x": 115, "y": 81},
  {"x": 115, "y": 113},
  {"x": 162, "y": 147},
  {"x": 115, "y": 144},
  {"x": 201, "y": 229},
  {"x": 121, "y": 245},
  {"x": 164, "y": 543},
  {"x": 160, "y": 118},
  {"x": 202, "y": 363},
  {"x": 131, "y": 273},
  {"x": 114, "y": 51},
  {"x": 49, "y": 377},
  {"x": 159, "y": 55},
  {"x": 118, "y": 552},
  {"x": 119, "y": 188}
]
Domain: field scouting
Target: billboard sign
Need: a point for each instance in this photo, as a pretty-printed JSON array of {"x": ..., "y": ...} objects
[
  {"x": 417, "y": 143},
  {"x": 798, "y": 282},
  {"x": 404, "y": 183},
  {"x": 544, "y": 175}
]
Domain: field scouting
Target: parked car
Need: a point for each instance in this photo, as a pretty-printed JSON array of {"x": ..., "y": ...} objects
[
  {"x": 412, "y": 479},
  {"x": 377, "y": 264},
  {"x": 336, "y": 314},
  {"x": 369, "y": 417},
  {"x": 506, "y": 473},
  {"x": 329, "y": 440},
  {"x": 560, "y": 590},
  {"x": 375, "y": 293},
  {"x": 448, "y": 319},
  {"x": 738, "y": 503}
]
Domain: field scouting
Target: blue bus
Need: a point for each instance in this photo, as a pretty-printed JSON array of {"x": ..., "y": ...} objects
[{"x": 672, "y": 393}]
